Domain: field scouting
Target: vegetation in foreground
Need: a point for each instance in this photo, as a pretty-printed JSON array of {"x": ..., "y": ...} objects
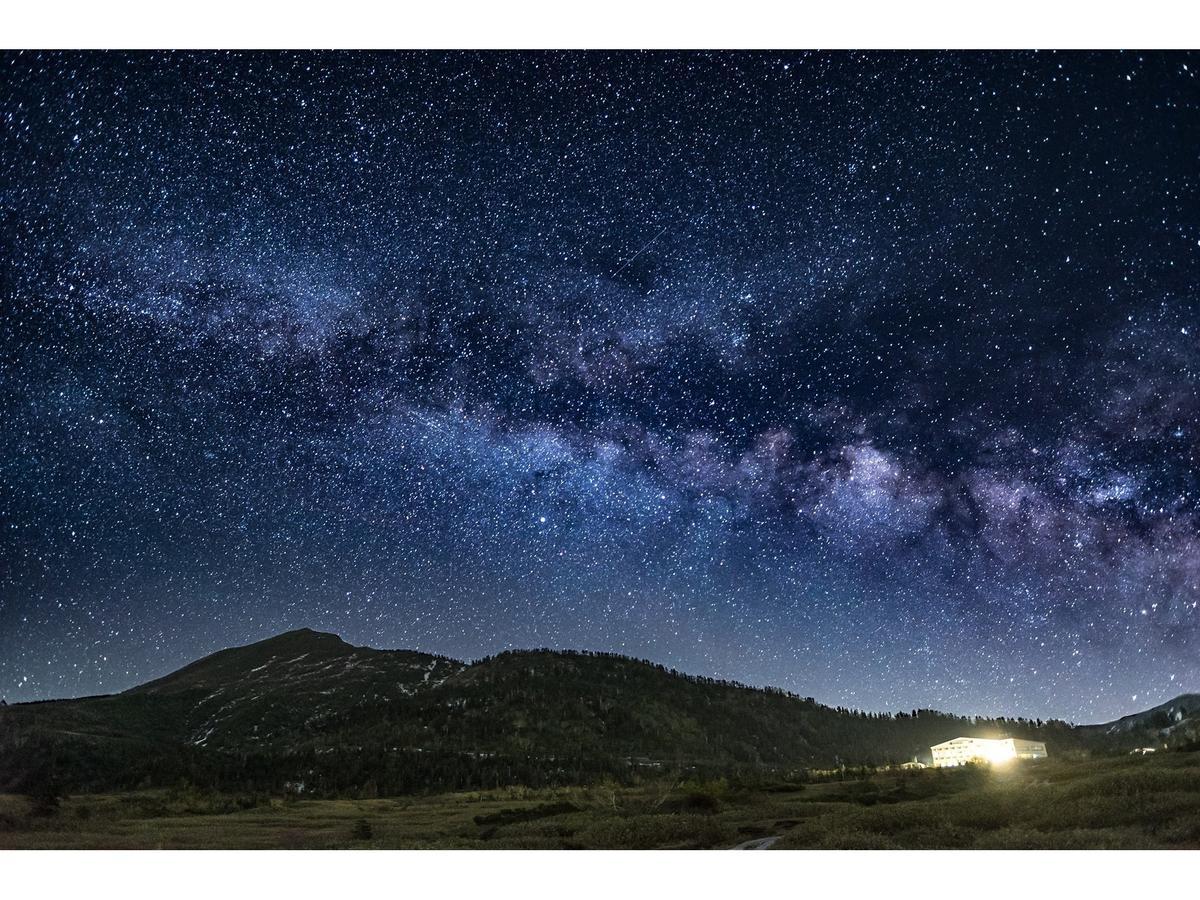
[{"x": 1112, "y": 803}]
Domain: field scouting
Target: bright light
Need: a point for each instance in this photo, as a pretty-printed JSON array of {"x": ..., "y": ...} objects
[{"x": 998, "y": 752}]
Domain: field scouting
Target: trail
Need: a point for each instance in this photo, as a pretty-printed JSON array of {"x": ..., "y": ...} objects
[{"x": 758, "y": 843}]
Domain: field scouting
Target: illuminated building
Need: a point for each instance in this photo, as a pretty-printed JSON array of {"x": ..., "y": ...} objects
[{"x": 962, "y": 750}]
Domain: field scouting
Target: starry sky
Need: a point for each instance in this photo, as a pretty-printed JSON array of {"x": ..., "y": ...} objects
[{"x": 868, "y": 375}]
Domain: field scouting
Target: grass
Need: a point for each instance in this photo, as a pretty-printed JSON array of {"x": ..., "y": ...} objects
[{"x": 1116, "y": 803}]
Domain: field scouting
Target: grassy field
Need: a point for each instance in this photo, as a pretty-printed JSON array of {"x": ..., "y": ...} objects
[{"x": 1126, "y": 802}]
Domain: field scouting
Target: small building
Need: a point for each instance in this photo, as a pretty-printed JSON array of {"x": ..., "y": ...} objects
[{"x": 960, "y": 751}]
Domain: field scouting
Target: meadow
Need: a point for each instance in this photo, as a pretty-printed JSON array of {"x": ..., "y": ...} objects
[{"x": 1126, "y": 802}]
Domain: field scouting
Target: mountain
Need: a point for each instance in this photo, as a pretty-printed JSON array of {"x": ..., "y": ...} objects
[
  {"x": 1175, "y": 722},
  {"x": 308, "y": 708},
  {"x": 285, "y": 690}
]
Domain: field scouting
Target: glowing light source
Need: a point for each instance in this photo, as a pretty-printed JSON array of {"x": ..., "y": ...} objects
[
  {"x": 998, "y": 752},
  {"x": 961, "y": 751}
]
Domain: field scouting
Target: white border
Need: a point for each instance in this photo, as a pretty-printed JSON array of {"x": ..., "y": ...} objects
[
  {"x": 615, "y": 24},
  {"x": 582, "y": 875}
]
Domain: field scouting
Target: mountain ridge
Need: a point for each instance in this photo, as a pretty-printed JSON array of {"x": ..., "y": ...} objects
[
  {"x": 297, "y": 703},
  {"x": 1190, "y": 700}
]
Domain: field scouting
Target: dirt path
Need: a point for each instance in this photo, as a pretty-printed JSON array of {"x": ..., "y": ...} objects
[{"x": 758, "y": 843}]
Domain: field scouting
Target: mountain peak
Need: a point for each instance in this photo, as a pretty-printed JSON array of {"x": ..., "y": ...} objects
[
  {"x": 304, "y": 634},
  {"x": 238, "y": 663}
]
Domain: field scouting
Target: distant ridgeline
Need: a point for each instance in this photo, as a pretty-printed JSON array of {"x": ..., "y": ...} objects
[{"x": 306, "y": 711}]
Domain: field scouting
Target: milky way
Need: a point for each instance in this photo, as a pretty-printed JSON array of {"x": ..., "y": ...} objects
[{"x": 871, "y": 376}]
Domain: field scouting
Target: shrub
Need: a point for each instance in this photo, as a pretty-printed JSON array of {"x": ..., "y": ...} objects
[
  {"x": 511, "y": 816},
  {"x": 699, "y": 802},
  {"x": 649, "y": 831}
]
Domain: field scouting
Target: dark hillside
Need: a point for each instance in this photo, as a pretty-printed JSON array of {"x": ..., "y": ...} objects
[
  {"x": 1175, "y": 723},
  {"x": 307, "y": 707}
]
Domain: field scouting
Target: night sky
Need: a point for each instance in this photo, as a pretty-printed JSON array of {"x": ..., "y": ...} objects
[{"x": 870, "y": 376}]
